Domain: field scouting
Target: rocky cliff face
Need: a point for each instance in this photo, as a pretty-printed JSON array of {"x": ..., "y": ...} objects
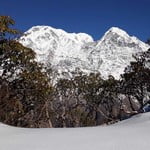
[{"x": 69, "y": 51}]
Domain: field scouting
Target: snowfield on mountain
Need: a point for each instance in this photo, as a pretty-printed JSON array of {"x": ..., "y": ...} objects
[
  {"x": 66, "y": 52},
  {"x": 131, "y": 134}
]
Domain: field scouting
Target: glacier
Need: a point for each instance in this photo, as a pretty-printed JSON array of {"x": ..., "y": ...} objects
[{"x": 66, "y": 52}]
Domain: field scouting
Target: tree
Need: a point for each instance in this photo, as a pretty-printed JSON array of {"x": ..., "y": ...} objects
[
  {"x": 29, "y": 91},
  {"x": 87, "y": 100},
  {"x": 5, "y": 30},
  {"x": 136, "y": 80}
]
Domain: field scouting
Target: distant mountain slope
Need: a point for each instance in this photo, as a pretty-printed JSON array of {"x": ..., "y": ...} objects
[
  {"x": 68, "y": 51},
  {"x": 131, "y": 134}
]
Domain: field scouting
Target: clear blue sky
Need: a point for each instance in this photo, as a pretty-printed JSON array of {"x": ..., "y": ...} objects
[{"x": 90, "y": 16}]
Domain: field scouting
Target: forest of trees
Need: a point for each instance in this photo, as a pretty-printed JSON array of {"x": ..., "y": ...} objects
[{"x": 29, "y": 99}]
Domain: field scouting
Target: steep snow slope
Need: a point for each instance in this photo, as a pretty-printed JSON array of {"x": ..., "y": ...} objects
[
  {"x": 68, "y": 51},
  {"x": 132, "y": 134},
  {"x": 114, "y": 52}
]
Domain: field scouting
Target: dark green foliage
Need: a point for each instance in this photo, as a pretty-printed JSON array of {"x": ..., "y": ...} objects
[
  {"x": 136, "y": 80},
  {"x": 27, "y": 88},
  {"x": 88, "y": 100},
  {"x": 5, "y": 28}
]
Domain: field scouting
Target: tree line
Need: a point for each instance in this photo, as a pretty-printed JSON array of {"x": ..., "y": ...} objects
[{"x": 28, "y": 97}]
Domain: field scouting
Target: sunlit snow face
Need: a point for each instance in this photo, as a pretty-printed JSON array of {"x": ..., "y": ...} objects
[{"x": 68, "y": 51}]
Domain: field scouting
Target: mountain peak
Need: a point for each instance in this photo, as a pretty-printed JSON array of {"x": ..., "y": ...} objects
[{"x": 116, "y": 30}]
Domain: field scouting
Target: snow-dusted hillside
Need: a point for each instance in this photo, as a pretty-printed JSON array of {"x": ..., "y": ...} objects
[
  {"x": 68, "y": 51},
  {"x": 132, "y": 134}
]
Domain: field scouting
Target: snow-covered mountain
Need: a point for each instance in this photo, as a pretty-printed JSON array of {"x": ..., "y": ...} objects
[{"x": 68, "y": 51}]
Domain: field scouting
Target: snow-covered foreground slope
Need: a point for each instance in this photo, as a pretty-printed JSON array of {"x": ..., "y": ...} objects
[
  {"x": 132, "y": 134},
  {"x": 68, "y": 51}
]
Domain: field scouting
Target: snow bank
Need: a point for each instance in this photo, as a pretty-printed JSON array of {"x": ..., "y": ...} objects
[{"x": 132, "y": 134}]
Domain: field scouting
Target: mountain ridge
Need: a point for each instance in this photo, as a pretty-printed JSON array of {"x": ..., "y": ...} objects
[{"x": 68, "y": 51}]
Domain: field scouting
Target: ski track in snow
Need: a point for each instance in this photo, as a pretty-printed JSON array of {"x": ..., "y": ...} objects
[{"x": 131, "y": 134}]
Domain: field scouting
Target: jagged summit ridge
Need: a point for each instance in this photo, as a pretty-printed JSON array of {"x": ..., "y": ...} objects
[
  {"x": 59, "y": 33},
  {"x": 68, "y": 51}
]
